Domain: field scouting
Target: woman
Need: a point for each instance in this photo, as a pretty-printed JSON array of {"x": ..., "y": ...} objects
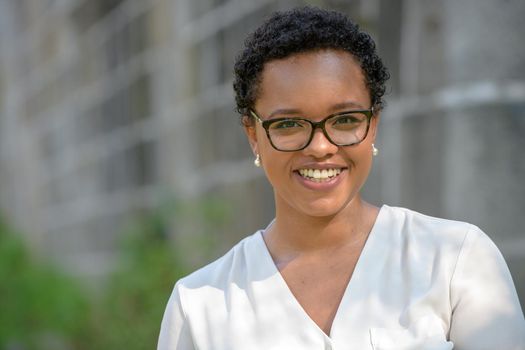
[{"x": 332, "y": 271}]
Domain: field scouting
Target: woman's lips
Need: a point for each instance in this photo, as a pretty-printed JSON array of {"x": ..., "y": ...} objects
[
  {"x": 319, "y": 175},
  {"x": 320, "y": 179}
]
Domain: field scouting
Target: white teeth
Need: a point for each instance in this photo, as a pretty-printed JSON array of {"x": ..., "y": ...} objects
[{"x": 318, "y": 175}]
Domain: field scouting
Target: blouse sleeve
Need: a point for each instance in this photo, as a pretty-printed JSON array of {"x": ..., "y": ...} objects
[
  {"x": 175, "y": 331},
  {"x": 486, "y": 313}
]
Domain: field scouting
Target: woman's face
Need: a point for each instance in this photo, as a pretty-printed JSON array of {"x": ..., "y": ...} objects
[{"x": 313, "y": 85}]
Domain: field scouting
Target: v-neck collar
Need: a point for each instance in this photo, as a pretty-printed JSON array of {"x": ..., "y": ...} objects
[{"x": 364, "y": 260}]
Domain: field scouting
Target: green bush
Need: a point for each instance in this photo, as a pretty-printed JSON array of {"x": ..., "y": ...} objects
[
  {"x": 129, "y": 314},
  {"x": 41, "y": 308}
]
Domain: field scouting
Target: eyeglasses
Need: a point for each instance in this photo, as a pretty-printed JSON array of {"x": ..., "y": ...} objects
[{"x": 294, "y": 134}]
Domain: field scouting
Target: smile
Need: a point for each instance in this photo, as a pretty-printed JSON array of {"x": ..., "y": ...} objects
[{"x": 318, "y": 175}]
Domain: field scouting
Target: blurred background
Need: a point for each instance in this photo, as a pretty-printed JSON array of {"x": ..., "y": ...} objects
[{"x": 123, "y": 165}]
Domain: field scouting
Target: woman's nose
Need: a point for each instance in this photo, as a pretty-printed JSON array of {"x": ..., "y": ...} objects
[{"x": 320, "y": 146}]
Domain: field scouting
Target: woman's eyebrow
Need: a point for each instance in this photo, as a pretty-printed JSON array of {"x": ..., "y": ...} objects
[
  {"x": 348, "y": 104},
  {"x": 334, "y": 108},
  {"x": 284, "y": 111}
]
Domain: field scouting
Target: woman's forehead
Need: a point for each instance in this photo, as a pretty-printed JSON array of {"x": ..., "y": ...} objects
[{"x": 329, "y": 76}]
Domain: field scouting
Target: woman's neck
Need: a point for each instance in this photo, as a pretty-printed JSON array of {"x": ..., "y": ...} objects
[{"x": 295, "y": 233}]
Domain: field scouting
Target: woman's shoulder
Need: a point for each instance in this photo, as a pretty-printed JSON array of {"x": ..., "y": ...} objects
[
  {"x": 410, "y": 231},
  {"x": 231, "y": 265},
  {"x": 417, "y": 225}
]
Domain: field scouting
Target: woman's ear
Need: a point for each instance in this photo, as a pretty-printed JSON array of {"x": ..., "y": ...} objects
[
  {"x": 249, "y": 129},
  {"x": 374, "y": 124}
]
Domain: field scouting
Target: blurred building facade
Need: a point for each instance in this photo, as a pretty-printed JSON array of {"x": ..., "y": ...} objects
[{"x": 108, "y": 105}]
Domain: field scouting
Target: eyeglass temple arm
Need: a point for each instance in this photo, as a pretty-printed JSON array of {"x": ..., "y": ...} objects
[{"x": 256, "y": 116}]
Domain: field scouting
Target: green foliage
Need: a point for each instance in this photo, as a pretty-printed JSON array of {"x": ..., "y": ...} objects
[
  {"x": 40, "y": 308},
  {"x": 129, "y": 315}
]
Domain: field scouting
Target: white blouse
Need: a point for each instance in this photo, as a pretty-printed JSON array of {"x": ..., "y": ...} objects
[{"x": 420, "y": 283}]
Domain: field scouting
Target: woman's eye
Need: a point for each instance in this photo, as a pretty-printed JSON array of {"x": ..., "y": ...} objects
[
  {"x": 286, "y": 124},
  {"x": 346, "y": 119}
]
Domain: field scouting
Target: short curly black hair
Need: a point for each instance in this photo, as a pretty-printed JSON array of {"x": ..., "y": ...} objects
[{"x": 302, "y": 30}]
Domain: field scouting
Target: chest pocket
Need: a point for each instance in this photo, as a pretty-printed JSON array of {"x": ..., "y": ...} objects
[{"x": 425, "y": 334}]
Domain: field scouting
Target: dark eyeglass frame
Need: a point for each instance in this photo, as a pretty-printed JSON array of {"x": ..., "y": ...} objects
[{"x": 369, "y": 113}]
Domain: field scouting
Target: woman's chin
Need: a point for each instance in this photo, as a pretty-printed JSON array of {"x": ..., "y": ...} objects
[{"x": 322, "y": 208}]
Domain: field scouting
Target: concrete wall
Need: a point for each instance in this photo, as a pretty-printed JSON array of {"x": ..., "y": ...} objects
[
  {"x": 453, "y": 133},
  {"x": 107, "y": 107}
]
